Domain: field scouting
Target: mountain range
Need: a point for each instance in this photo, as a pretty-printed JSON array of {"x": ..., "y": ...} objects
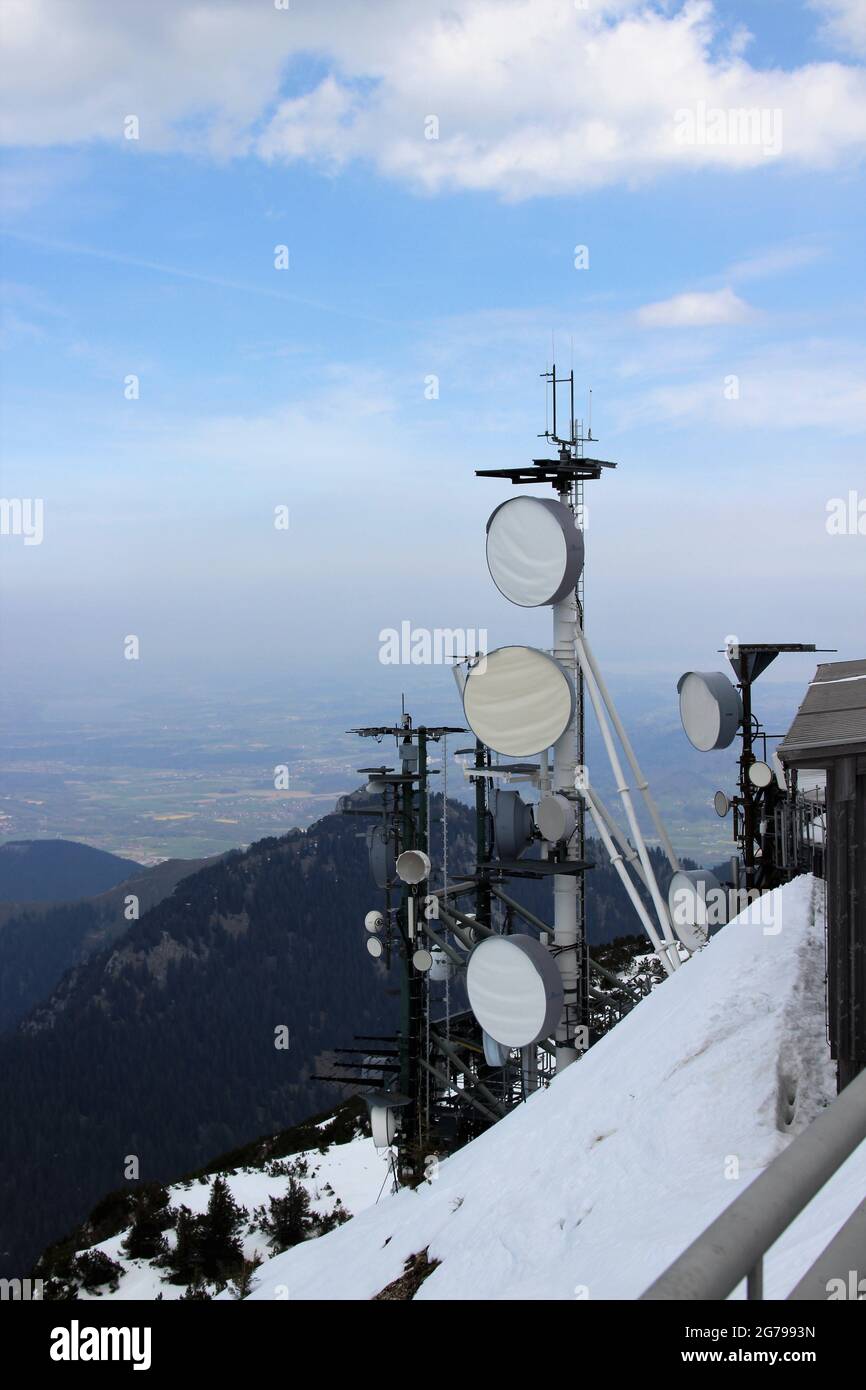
[{"x": 162, "y": 1047}]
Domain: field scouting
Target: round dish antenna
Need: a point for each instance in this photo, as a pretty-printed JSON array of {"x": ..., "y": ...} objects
[
  {"x": 381, "y": 851},
  {"x": 413, "y": 866},
  {"x": 374, "y": 921},
  {"x": 556, "y": 817},
  {"x": 517, "y": 700},
  {"x": 515, "y": 989},
  {"x": 710, "y": 709},
  {"x": 534, "y": 551},
  {"x": 721, "y": 805},
  {"x": 512, "y": 824},
  {"x": 374, "y": 946},
  {"x": 760, "y": 774},
  {"x": 697, "y": 901},
  {"x": 422, "y": 960},
  {"x": 441, "y": 968}
]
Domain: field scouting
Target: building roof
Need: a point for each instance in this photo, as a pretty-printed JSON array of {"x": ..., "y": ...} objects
[{"x": 831, "y": 721}]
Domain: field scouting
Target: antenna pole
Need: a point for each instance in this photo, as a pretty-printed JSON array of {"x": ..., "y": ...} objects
[{"x": 565, "y": 915}]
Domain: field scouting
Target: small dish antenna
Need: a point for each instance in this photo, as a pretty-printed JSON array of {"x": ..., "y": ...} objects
[
  {"x": 422, "y": 960},
  {"x": 374, "y": 921},
  {"x": 534, "y": 551},
  {"x": 441, "y": 967},
  {"x": 413, "y": 866},
  {"x": 517, "y": 700},
  {"x": 374, "y": 946},
  {"x": 721, "y": 805},
  {"x": 710, "y": 709},
  {"x": 760, "y": 774},
  {"x": 381, "y": 851},
  {"x": 697, "y": 901},
  {"x": 556, "y": 817},
  {"x": 515, "y": 989},
  {"x": 512, "y": 824}
]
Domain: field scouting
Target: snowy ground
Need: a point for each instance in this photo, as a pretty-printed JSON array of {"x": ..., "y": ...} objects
[
  {"x": 354, "y": 1172},
  {"x": 593, "y": 1187}
]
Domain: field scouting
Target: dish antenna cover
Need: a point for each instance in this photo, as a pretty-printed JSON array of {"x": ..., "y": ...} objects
[
  {"x": 374, "y": 921},
  {"x": 534, "y": 551},
  {"x": 413, "y": 866},
  {"x": 512, "y": 824},
  {"x": 697, "y": 901},
  {"x": 442, "y": 968},
  {"x": 721, "y": 804},
  {"x": 515, "y": 989},
  {"x": 518, "y": 701},
  {"x": 760, "y": 774},
  {"x": 383, "y": 1123},
  {"x": 381, "y": 851},
  {"x": 710, "y": 709},
  {"x": 556, "y": 817}
]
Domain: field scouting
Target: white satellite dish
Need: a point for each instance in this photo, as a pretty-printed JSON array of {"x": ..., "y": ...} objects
[
  {"x": 710, "y": 709},
  {"x": 512, "y": 823},
  {"x": 374, "y": 921},
  {"x": 515, "y": 989},
  {"x": 442, "y": 967},
  {"x": 518, "y": 701},
  {"x": 534, "y": 551},
  {"x": 760, "y": 774},
  {"x": 413, "y": 866},
  {"x": 721, "y": 804},
  {"x": 374, "y": 946},
  {"x": 696, "y": 901},
  {"x": 555, "y": 817},
  {"x": 383, "y": 1123},
  {"x": 422, "y": 960}
]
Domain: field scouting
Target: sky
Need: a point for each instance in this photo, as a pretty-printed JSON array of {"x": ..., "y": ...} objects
[{"x": 315, "y": 256}]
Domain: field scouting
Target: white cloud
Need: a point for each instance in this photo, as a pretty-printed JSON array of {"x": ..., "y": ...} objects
[
  {"x": 844, "y": 23},
  {"x": 531, "y": 96},
  {"x": 695, "y": 310},
  {"x": 809, "y": 385},
  {"x": 776, "y": 260}
]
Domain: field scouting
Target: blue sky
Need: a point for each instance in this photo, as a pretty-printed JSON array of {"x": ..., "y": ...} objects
[{"x": 409, "y": 257}]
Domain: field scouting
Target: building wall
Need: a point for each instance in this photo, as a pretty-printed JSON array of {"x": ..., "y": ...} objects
[{"x": 846, "y": 931}]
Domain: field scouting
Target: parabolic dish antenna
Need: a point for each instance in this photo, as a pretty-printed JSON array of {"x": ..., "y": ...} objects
[
  {"x": 710, "y": 709},
  {"x": 534, "y": 551},
  {"x": 512, "y": 823},
  {"x": 760, "y": 774},
  {"x": 721, "y": 804},
  {"x": 555, "y": 817},
  {"x": 697, "y": 901},
  {"x": 413, "y": 866},
  {"x": 515, "y": 989},
  {"x": 517, "y": 700}
]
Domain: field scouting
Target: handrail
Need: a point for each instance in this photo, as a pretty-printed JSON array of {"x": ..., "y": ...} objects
[{"x": 732, "y": 1248}]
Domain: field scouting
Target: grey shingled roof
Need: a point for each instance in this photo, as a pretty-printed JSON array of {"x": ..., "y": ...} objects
[{"x": 832, "y": 718}]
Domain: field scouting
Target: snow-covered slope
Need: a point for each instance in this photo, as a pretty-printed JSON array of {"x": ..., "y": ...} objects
[
  {"x": 350, "y": 1175},
  {"x": 594, "y": 1186}
]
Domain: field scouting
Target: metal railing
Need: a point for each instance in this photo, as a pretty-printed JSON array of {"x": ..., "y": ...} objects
[{"x": 733, "y": 1247}]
